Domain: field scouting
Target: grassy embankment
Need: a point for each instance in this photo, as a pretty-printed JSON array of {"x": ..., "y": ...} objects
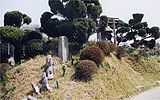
[{"x": 117, "y": 79}]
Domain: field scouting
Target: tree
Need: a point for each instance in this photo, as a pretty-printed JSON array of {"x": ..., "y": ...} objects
[
  {"x": 79, "y": 19},
  {"x": 16, "y": 18},
  {"x": 13, "y": 36},
  {"x": 136, "y": 28}
]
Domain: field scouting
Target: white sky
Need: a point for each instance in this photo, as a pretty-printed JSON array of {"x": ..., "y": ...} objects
[{"x": 122, "y": 9}]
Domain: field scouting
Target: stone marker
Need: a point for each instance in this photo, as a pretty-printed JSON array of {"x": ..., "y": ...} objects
[
  {"x": 35, "y": 88},
  {"x": 49, "y": 60},
  {"x": 45, "y": 83},
  {"x": 57, "y": 84},
  {"x": 63, "y": 50},
  {"x": 50, "y": 73},
  {"x": 63, "y": 69}
]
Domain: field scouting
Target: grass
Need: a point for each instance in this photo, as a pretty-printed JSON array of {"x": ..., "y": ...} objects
[{"x": 115, "y": 80}]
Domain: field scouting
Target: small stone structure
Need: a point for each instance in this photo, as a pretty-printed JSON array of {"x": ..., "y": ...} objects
[
  {"x": 35, "y": 88},
  {"x": 45, "y": 83},
  {"x": 50, "y": 72},
  {"x": 63, "y": 50}
]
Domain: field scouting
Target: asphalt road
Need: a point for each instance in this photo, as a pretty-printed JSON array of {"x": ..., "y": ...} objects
[{"x": 152, "y": 94}]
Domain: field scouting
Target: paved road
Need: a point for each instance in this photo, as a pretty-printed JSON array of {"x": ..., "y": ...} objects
[{"x": 152, "y": 94}]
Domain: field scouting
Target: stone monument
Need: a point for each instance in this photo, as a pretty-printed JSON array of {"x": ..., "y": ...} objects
[{"x": 63, "y": 50}]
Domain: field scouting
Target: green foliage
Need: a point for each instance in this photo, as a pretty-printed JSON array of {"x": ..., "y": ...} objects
[
  {"x": 11, "y": 34},
  {"x": 94, "y": 11},
  {"x": 75, "y": 9},
  {"x": 154, "y": 31},
  {"x": 80, "y": 17},
  {"x": 103, "y": 23},
  {"x": 34, "y": 47},
  {"x": 92, "y": 53},
  {"x": 123, "y": 29},
  {"x": 51, "y": 27},
  {"x": 85, "y": 70},
  {"x": 138, "y": 17},
  {"x": 16, "y": 18},
  {"x": 151, "y": 44},
  {"x": 120, "y": 52},
  {"x": 142, "y": 32},
  {"x": 56, "y": 6},
  {"x": 104, "y": 46},
  {"x": 44, "y": 18},
  {"x": 121, "y": 23},
  {"x": 65, "y": 28},
  {"x": 51, "y": 46},
  {"x": 131, "y": 50},
  {"x": 27, "y": 20},
  {"x": 130, "y": 35},
  {"x": 29, "y": 35}
]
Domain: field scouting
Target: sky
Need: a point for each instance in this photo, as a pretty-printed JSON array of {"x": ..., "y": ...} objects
[{"x": 122, "y": 9}]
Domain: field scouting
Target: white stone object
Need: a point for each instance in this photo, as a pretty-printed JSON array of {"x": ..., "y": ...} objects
[
  {"x": 44, "y": 80},
  {"x": 50, "y": 73},
  {"x": 49, "y": 60},
  {"x": 35, "y": 88},
  {"x": 63, "y": 50},
  {"x": 11, "y": 61},
  {"x": 31, "y": 98},
  {"x": 48, "y": 87}
]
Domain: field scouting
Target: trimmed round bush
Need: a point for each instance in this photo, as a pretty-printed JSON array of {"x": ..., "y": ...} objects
[
  {"x": 92, "y": 53},
  {"x": 34, "y": 47},
  {"x": 120, "y": 52},
  {"x": 4, "y": 67},
  {"x": 112, "y": 47},
  {"x": 85, "y": 70},
  {"x": 104, "y": 46}
]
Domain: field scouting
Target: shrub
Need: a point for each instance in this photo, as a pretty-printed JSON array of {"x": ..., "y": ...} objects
[
  {"x": 120, "y": 52},
  {"x": 4, "y": 67},
  {"x": 30, "y": 35},
  {"x": 112, "y": 47},
  {"x": 85, "y": 69},
  {"x": 51, "y": 46},
  {"x": 104, "y": 46},
  {"x": 11, "y": 34},
  {"x": 92, "y": 53},
  {"x": 34, "y": 47}
]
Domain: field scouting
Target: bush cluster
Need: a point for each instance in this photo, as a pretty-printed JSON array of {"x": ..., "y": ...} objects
[
  {"x": 112, "y": 47},
  {"x": 120, "y": 52},
  {"x": 85, "y": 70},
  {"x": 34, "y": 47},
  {"x": 104, "y": 46},
  {"x": 92, "y": 53},
  {"x": 51, "y": 46},
  {"x": 4, "y": 67},
  {"x": 30, "y": 35}
]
